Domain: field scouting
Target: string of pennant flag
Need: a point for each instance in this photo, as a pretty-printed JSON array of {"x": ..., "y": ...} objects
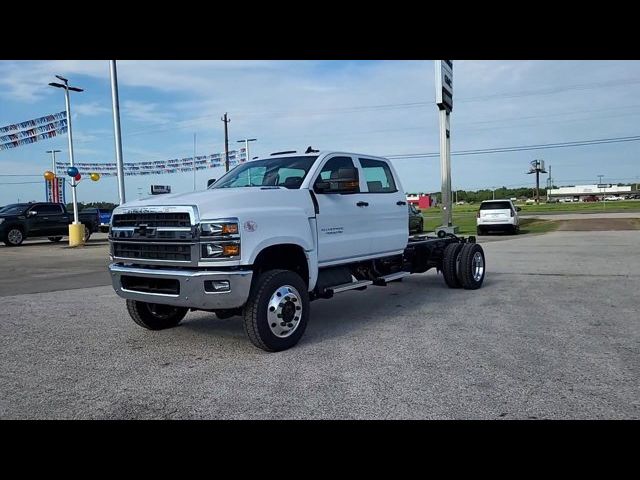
[
  {"x": 34, "y": 131},
  {"x": 158, "y": 167},
  {"x": 34, "y": 123},
  {"x": 34, "y": 138}
]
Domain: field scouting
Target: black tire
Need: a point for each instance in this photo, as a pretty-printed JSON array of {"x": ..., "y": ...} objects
[
  {"x": 516, "y": 229},
  {"x": 479, "y": 231},
  {"x": 54, "y": 239},
  {"x": 256, "y": 321},
  {"x": 467, "y": 266},
  {"x": 450, "y": 264},
  {"x": 14, "y": 237},
  {"x": 154, "y": 316}
]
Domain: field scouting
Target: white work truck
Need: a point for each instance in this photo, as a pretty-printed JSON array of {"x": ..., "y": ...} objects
[{"x": 270, "y": 236}]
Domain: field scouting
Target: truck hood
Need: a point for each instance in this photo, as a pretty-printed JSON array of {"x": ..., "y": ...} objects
[{"x": 233, "y": 202}]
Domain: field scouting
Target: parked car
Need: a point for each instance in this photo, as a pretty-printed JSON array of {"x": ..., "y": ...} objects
[
  {"x": 590, "y": 198},
  {"x": 104, "y": 214},
  {"x": 612, "y": 198},
  {"x": 416, "y": 222},
  {"x": 497, "y": 215},
  {"x": 21, "y": 220}
]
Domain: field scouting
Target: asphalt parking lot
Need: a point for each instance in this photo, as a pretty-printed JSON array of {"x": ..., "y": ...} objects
[{"x": 553, "y": 334}]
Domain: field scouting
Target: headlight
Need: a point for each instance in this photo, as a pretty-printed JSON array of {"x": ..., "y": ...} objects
[
  {"x": 220, "y": 239},
  {"x": 220, "y": 250}
]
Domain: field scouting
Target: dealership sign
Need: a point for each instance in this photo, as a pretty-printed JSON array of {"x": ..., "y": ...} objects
[{"x": 444, "y": 85}]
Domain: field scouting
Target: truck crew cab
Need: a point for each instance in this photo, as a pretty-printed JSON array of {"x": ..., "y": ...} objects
[
  {"x": 20, "y": 221},
  {"x": 270, "y": 236}
]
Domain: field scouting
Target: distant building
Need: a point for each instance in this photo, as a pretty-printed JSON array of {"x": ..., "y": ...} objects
[
  {"x": 420, "y": 200},
  {"x": 579, "y": 192}
]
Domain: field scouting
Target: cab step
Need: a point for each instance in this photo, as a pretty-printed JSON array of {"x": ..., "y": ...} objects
[
  {"x": 349, "y": 286},
  {"x": 384, "y": 280}
]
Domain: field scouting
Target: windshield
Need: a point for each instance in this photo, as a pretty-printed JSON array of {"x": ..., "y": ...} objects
[
  {"x": 14, "y": 209},
  {"x": 288, "y": 172}
]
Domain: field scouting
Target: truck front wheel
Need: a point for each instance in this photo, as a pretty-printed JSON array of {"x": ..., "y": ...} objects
[
  {"x": 155, "y": 316},
  {"x": 277, "y": 311}
]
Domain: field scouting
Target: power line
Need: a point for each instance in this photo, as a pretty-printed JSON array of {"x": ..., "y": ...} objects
[{"x": 521, "y": 147}]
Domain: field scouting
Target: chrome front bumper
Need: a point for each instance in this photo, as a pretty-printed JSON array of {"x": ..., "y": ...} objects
[{"x": 192, "y": 287}]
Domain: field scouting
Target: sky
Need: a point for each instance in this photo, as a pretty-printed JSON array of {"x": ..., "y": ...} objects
[{"x": 380, "y": 108}]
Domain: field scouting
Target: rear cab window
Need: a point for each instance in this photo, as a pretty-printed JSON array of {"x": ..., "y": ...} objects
[{"x": 378, "y": 176}]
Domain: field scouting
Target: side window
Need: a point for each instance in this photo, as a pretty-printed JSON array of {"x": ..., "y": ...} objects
[
  {"x": 331, "y": 169},
  {"x": 378, "y": 176},
  {"x": 290, "y": 177},
  {"x": 48, "y": 209}
]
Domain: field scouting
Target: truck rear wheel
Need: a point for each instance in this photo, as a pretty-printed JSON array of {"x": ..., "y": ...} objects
[
  {"x": 450, "y": 261},
  {"x": 155, "y": 316},
  {"x": 277, "y": 311},
  {"x": 472, "y": 266}
]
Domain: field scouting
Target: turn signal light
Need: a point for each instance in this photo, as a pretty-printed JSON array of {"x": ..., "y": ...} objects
[
  {"x": 229, "y": 228},
  {"x": 230, "y": 250}
]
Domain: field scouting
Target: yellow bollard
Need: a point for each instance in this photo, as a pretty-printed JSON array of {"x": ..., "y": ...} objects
[{"x": 76, "y": 234}]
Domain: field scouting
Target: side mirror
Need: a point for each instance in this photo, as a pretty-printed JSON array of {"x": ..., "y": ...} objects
[
  {"x": 210, "y": 182},
  {"x": 518, "y": 209},
  {"x": 32, "y": 213}
]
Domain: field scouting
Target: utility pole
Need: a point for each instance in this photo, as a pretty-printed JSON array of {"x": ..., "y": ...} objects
[
  {"x": 115, "y": 105},
  {"x": 604, "y": 202},
  {"x": 537, "y": 167},
  {"x": 226, "y": 142},
  {"x": 549, "y": 183}
]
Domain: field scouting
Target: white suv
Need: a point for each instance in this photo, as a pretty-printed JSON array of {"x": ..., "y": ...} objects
[{"x": 497, "y": 215}]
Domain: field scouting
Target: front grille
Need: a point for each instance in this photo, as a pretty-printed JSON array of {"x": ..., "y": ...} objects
[
  {"x": 166, "y": 286},
  {"x": 174, "y": 219},
  {"x": 151, "y": 251}
]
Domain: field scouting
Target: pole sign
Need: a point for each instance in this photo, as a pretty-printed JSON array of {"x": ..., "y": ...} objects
[
  {"x": 160, "y": 189},
  {"x": 444, "y": 85},
  {"x": 55, "y": 190}
]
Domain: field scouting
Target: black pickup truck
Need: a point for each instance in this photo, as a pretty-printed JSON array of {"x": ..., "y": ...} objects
[{"x": 26, "y": 220}]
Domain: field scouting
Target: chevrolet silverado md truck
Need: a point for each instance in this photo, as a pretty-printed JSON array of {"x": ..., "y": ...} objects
[{"x": 270, "y": 236}]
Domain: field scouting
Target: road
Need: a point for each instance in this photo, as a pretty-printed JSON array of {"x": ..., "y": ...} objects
[{"x": 553, "y": 334}]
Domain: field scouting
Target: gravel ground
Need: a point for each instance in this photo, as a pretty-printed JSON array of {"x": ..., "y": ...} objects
[{"x": 553, "y": 333}]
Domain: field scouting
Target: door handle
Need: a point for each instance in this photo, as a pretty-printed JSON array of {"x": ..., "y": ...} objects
[
  {"x": 400, "y": 202},
  {"x": 362, "y": 204}
]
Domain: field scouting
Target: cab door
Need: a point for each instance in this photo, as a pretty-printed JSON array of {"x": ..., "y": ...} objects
[
  {"x": 343, "y": 232},
  {"x": 387, "y": 213}
]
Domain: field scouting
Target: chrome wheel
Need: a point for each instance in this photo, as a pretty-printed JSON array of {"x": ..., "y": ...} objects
[
  {"x": 477, "y": 264},
  {"x": 284, "y": 311},
  {"x": 14, "y": 236}
]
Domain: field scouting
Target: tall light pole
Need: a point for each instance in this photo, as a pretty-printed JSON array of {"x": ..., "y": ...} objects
[
  {"x": 115, "y": 104},
  {"x": 246, "y": 146},
  {"x": 66, "y": 88},
  {"x": 53, "y": 160}
]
